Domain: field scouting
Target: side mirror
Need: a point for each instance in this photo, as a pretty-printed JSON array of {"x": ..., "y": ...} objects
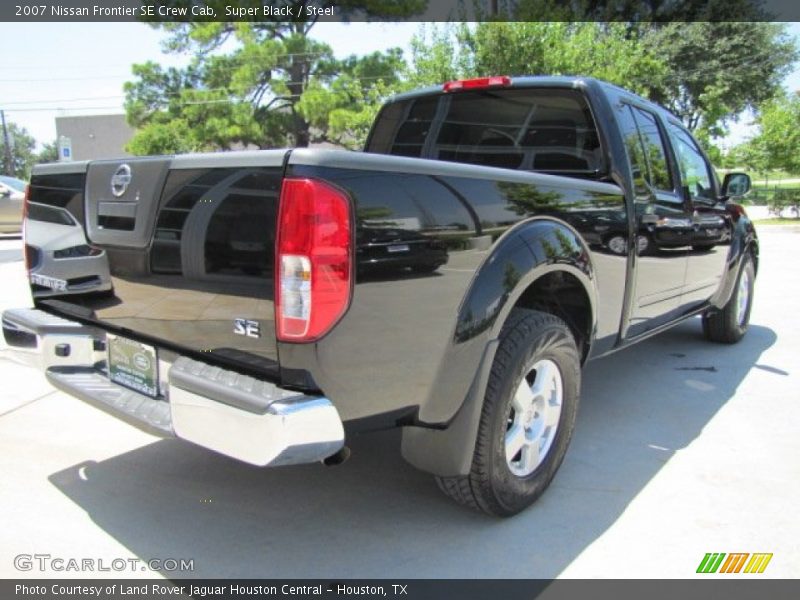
[
  {"x": 5, "y": 193},
  {"x": 736, "y": 185}
]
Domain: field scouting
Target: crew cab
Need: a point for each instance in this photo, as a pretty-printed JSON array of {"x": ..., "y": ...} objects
[{"x": 451, "y": 280}]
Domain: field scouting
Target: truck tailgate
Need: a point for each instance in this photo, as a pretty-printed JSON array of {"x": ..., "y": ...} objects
[{"x": 188, "y": 247}]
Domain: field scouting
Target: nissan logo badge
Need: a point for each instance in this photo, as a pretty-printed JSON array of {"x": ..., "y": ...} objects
[{"x": 120, "y": 180}]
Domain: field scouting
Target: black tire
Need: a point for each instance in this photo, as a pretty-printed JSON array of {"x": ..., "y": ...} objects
[
  {"x": 424, "y": 268},
  {"x": 105, "y": 294},
  {"x": 528, "y": 337},
  {"x": 725, "y": 325}
]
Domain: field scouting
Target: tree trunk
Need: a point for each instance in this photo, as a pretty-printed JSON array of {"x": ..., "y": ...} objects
[
  {"x": 301, "y": 134},
  {"x": 298, "y": 78}
]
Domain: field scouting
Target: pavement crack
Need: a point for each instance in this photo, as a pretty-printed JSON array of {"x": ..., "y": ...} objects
[
  {"x": 27, "y": 403},
  {"x": 709, "y": 369}
]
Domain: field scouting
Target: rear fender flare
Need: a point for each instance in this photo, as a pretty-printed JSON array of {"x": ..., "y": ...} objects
[
  {"x": 447, "y": 450},
  {"x": 522, "y": 255}
]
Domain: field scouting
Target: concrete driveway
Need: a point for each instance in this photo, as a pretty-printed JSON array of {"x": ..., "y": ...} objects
[{"x": 682, "y": 447}]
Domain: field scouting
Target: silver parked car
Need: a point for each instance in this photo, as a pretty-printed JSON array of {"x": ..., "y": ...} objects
[
  {"x": 60, "y": 259},
  {"x": 12, "y": 194}
]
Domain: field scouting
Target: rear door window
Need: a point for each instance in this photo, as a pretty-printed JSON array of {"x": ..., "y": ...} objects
[
  {"x": 636, "y": 155},
  {"x": 653, "y": 183},
  {"x": 655, "y": 152}
]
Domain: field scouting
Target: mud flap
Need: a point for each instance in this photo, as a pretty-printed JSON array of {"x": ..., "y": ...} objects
[{"x": 448, "y": 452}]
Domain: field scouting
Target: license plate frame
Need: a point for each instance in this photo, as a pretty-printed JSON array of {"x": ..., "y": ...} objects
[{"x": 132, "y": 364}]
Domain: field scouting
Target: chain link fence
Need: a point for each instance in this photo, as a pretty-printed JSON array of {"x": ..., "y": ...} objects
[{"x": 780, "y": 201}]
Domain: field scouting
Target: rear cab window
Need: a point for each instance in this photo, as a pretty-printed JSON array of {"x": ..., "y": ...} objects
[{"x": 547, "y": 130}]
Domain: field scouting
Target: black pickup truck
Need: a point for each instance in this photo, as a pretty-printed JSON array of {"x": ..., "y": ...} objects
[{"x": 450, "y": 280}]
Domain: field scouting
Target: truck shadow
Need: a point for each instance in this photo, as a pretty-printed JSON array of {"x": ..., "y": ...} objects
[{"x": 375, "y": 516}]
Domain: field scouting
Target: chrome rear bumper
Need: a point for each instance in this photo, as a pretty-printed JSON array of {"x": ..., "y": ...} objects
[{"x": 242, "y": 417}]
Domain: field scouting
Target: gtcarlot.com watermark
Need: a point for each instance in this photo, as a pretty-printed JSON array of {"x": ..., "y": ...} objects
[{"x": 46, "y": 563}]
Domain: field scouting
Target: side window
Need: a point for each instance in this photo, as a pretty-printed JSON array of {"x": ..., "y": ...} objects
[
  {"x": 411, "y": 136},
  {"x": 633, "y": 145},
  {"x": 648, "y": 158},
  {"x": 695, "y": 171},
  {"x": 660, "y": 177}
]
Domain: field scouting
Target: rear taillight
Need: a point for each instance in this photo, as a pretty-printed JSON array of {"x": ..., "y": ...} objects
[
  {"x": 25, "y": 224},
  {"x": 314, "y": 257},
  {"x": 479, "y": 83}
]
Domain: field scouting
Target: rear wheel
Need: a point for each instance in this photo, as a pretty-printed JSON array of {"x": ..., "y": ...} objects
[
  {"x": 644, "y": 245},
  {"x": 527, "y": 418},
  {"x": 618, "y": 244},
  {"x": 729, "y": 324}
]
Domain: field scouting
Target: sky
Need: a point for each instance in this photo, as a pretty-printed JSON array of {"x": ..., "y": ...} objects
[{"x": 58, "y": 69}]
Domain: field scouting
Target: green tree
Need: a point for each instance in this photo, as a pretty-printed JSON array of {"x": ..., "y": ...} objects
[
  {"x": 167, "y": 135},
  {"x": 436, "y": 56},
  {"x": 48, "y": 153},
  {"x": 597, "y": 50},
  {"x": 605, "y": 51},
  {"x": 260, "y": 83},
  {"x": 707, "y": 73},
  {"x": 634, "y": 11},
  {"x": 343, "y": 111},
  {"x": 717, "y": 70},
  {"x": 749, "y": 155},
  {"x": 779, "y": 137},
  {"x": 529, "y": 200},
  {"x": 23, "y": 155}
]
